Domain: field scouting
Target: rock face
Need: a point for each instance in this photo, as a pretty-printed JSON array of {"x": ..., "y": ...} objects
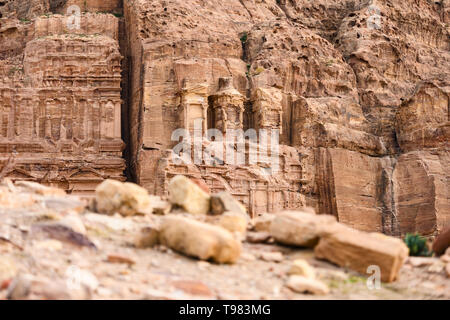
[
  {"x": 60, "y": 98},
  {"x": 359, "y": 250},
  {"x": 358, "y": 92}
]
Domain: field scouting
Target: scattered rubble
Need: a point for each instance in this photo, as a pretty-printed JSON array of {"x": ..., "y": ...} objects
[
  {"x": 302, "y": 268},
  {"x": 78, "y": 254}
]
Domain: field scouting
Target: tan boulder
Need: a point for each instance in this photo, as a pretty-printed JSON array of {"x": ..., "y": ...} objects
[
  {"x": 447, "y": 270},
  {"x": 223, "y": 201},
  {"x": 233, "y": 222},
  {"x": 199, "y": 240},
  {"x": 127, "y": 198},
  {"x": 302, "y": 284},
  {"x": 301, "y": 267},
  {"x": 262, "y": 223},
  {"x": 188, "y": 195},
  {"x": 359, "y": 250},
  {"x": 300, "y": 228}
]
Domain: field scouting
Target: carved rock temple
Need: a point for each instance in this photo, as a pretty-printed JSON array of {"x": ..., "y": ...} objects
[{"x": 362, "y": 113}]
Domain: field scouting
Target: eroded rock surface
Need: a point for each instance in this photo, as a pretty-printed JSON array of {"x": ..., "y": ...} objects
[{"x": 358, "y": 91}]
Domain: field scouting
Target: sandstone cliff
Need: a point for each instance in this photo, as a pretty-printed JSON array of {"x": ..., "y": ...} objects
[{"x": 359, "y": 90}]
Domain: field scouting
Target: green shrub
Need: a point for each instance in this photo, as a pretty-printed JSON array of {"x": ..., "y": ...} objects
[
  {"x": 417, "y": 245},
  {"x": 244, "y": 37}
]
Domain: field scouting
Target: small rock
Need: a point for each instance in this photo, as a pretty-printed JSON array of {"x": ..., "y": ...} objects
[
  {"x": 420, "y": 261},
  {"x": 223, "y": 202},
  {"x": 248, "y": 256},
  {"x": 301, "y": 267},
  {"x": 300, "y": 228},
  {"x": 199, "y": 240},
  {"x": 73, "y": 222},
  {"x": 271, "y": 256},
  {"x": 436, "y": 267},
  {"x": 188, "y": 195},
  {"x": 147, "y": 237},
  {"x": 116, "y": 258},
  {"x": 302, "y": 284},
  {"x": 160, "y": 207},
  {"x": 27, "y": 287},
  {"x": 195, "y": 288},
  {"x": 257, "y": 237},
  {"x": 127, "y": 199},
  {"x": 233, "y": 222},
  {"x": 62, "y": 233}
]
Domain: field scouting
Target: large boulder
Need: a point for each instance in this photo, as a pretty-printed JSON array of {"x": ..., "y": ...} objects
[
  {"x": 299, "y": 228},
  {"x": 199, "y": 240},
  {"x": 359, "y": 250},
  {"x": 188, "y": 195},
  {"x": 127, "y": 198}
]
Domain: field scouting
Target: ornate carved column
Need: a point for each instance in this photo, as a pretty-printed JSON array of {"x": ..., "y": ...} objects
[{"x": 228, "y": 104}]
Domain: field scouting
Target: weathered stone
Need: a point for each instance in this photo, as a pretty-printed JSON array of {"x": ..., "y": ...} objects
[
  {"x": 160, "y": 207},
  {"x": 73, "y": 222},
  {"x": 116, "y": 258},
  {"x": 194, "y": 288},
  {"x": 358, "y": 251},
  {"x": 27, "y": 287},
  {"x": 147, "y": 237},
  {"x": 418, "y": 262},
  {"x": 257, "y": 237},
  {"x": 442, "y": 242},
  {"x": 299, "y": 228},
  {"x": 262, "y": 223},
  {"x": 302, "y": 268},
  {"x": 200, "y": 240},
  {"x": 223, "y": 202},
  {"x": 302, "y": 284},
  {"x": 185, "y": 193},
  {"x": 271, "y": 256},
  {"x": 233, "y": 222},
  {"x": 128, "y": 199},
  {"x": 62, "y": 233}
]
